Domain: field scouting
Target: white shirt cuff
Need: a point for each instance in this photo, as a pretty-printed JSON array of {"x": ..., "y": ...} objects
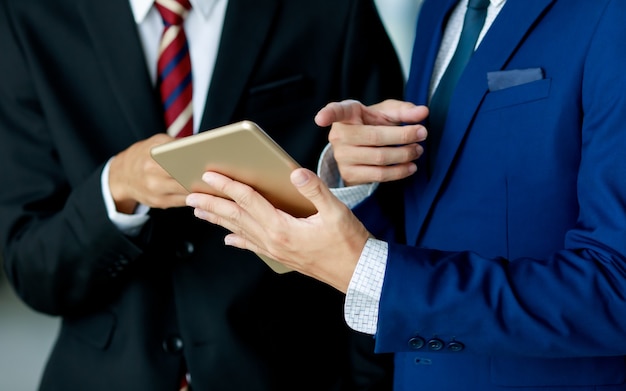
[
  {"x": 365, "y": 288},
  {"x": 328, "y": 171},
  {"x": 128, "y": 224}
]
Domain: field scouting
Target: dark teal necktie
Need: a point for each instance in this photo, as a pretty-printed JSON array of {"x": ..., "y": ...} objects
[{"x": 472, "y": 25}]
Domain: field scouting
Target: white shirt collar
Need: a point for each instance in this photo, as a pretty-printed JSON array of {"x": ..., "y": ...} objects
[
  {"x": 496, "y": 3},
  {"x": 141, "y": 8}
]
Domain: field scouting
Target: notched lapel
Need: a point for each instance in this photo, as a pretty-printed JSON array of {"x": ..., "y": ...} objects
[
  {"x": 498, "y": 46},
  {"x": 113, "y": 33},
  {"x": 246, "y": 26}
]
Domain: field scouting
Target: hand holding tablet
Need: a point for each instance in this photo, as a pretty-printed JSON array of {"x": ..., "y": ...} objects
[{"x": 241, "y": 151}]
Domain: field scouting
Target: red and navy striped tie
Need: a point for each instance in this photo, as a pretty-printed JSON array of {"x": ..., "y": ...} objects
[
  {"x": 174, "y": 77},
  {"x": 174, "y": 68}
]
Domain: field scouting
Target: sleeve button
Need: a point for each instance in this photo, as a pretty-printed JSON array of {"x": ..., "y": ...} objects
[
  {"x": 435, "y": 344},
  {"x": 416, "y": 343},
  {"x": 455, "y": 346}
]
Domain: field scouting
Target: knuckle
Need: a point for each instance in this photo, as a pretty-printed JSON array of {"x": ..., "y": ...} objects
[
  {"x": 409, "y": 153},
  {"x": 374, "y": 137},
  {"x": 233, "y": 214},
  {"x": 381, "y": 175},
  {"x": 348, "y": 174},
  {"x": 244, "y": 198},
  {"x": 379, "y": 157},
  {"x": 280, "y": 238},
  {"x": 407, "y": 134},
  {"x": 340, "y": 155},
  {"x": 336, "y": 134}
]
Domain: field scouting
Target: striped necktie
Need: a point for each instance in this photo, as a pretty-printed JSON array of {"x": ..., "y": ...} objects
[
  {"x": 174, "y": 79},
  {"x": 472, "y": 25},
  {"x": 174, "y": 68}
]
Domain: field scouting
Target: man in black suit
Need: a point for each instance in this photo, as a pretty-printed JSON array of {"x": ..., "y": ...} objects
[{"x": 93, "y": 231}]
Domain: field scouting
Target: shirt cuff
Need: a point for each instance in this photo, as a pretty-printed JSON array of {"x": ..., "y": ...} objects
[
  {"x": 328, "y": 171},
  {"x": 365, "y": 288},
  {"x": 128, "y": 224}
]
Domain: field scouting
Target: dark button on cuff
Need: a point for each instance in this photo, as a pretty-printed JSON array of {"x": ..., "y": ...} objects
[
  {"x": 172, "y": 344},
  {"x": 416, "y": 343},
  {"x": 455, "y": 346},
  {"x": 435, "y": 344}
]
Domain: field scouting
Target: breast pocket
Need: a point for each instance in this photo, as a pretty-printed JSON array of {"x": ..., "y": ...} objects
[
  {"x": 520, "y": 94},
  {"x": 279, "y": 94}
]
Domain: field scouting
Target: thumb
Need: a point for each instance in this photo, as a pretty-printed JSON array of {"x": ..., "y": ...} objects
[{"x": 312, "y": 187}]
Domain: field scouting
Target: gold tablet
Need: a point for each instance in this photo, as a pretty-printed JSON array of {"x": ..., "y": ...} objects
[{"x": 241, "y": 151}]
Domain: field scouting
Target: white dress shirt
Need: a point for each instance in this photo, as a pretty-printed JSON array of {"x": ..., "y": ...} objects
[
  {"x": 363, "y": 296},
  {"x": 203, "y": 28}
]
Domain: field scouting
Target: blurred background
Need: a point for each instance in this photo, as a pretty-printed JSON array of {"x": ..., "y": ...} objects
[{"x": 26, "y": 336}]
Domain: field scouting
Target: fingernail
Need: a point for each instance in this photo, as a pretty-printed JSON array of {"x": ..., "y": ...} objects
[
  {"x": 207, "y": 177},
  {"x": 421, "y": 132},
  {"x": 299, "y": 178},
  {"x": 191, "y": 200}
]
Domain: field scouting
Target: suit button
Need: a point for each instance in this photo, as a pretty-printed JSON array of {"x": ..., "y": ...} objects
[
  {"x": 455, "y": 346},
  {"x": 435, "y": 344},
  {"x": 185, "y": 250},
  {"x": 416, "y": 343},
  {"x": 172, "y": 344}
]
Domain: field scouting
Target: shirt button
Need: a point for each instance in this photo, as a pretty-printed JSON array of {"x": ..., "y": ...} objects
[
  {"x": 185, "y": 250},
  {"x": 172, "y": 344}
]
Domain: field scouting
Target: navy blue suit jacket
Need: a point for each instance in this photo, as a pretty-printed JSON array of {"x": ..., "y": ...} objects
[{"x": 507, "y": 260}]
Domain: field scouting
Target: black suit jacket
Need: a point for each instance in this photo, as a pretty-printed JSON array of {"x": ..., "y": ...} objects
[{"x": 75, "y": 91}]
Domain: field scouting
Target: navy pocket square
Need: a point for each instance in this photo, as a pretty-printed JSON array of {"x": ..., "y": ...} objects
[{"x": 500, "y": 80}]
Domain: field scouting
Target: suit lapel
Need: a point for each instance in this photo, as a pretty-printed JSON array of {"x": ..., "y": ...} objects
[
  {"x": 432, "y": 18},
  {"x": 246, "y": 26},
  {"x": 114, "y": 36},
  {"x": 498, "y": 46}
]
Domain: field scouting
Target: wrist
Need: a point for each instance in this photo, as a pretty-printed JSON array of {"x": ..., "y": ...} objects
[{"x": 124, "y": 203}]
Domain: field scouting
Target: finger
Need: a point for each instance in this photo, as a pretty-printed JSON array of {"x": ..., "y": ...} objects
[
  {"x": 376, "y": 136},
  {"x": 400, "y": 112},
  {"x": 354, "y": 175},
  {"x": 244, "y": 243},
  {"x": 166, "y": 202},
  {"x": 159, "y": 138},
  {"x": 389, "y": 112},
  {"x": 203, "y": 204},
  {"x": 243, "y": 195},
  {"x": 377, "y": 156},
  {"x": 222, "y": 212},
  {"x": 312, "y": 187},
  {"x": 349, "y": 111}
]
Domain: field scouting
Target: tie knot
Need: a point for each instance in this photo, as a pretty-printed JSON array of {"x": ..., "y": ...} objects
[
  {"x": 173, "y": 12},
  {"x": 478, "y": 4}
]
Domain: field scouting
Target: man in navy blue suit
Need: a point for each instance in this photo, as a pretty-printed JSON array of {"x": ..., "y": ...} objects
[{"x": 495, "y": 257}]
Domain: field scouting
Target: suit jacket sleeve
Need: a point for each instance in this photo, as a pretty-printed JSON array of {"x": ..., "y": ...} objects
[
  {"x": 569, "y": 303},
  {"x": 60, "y": 238}
]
